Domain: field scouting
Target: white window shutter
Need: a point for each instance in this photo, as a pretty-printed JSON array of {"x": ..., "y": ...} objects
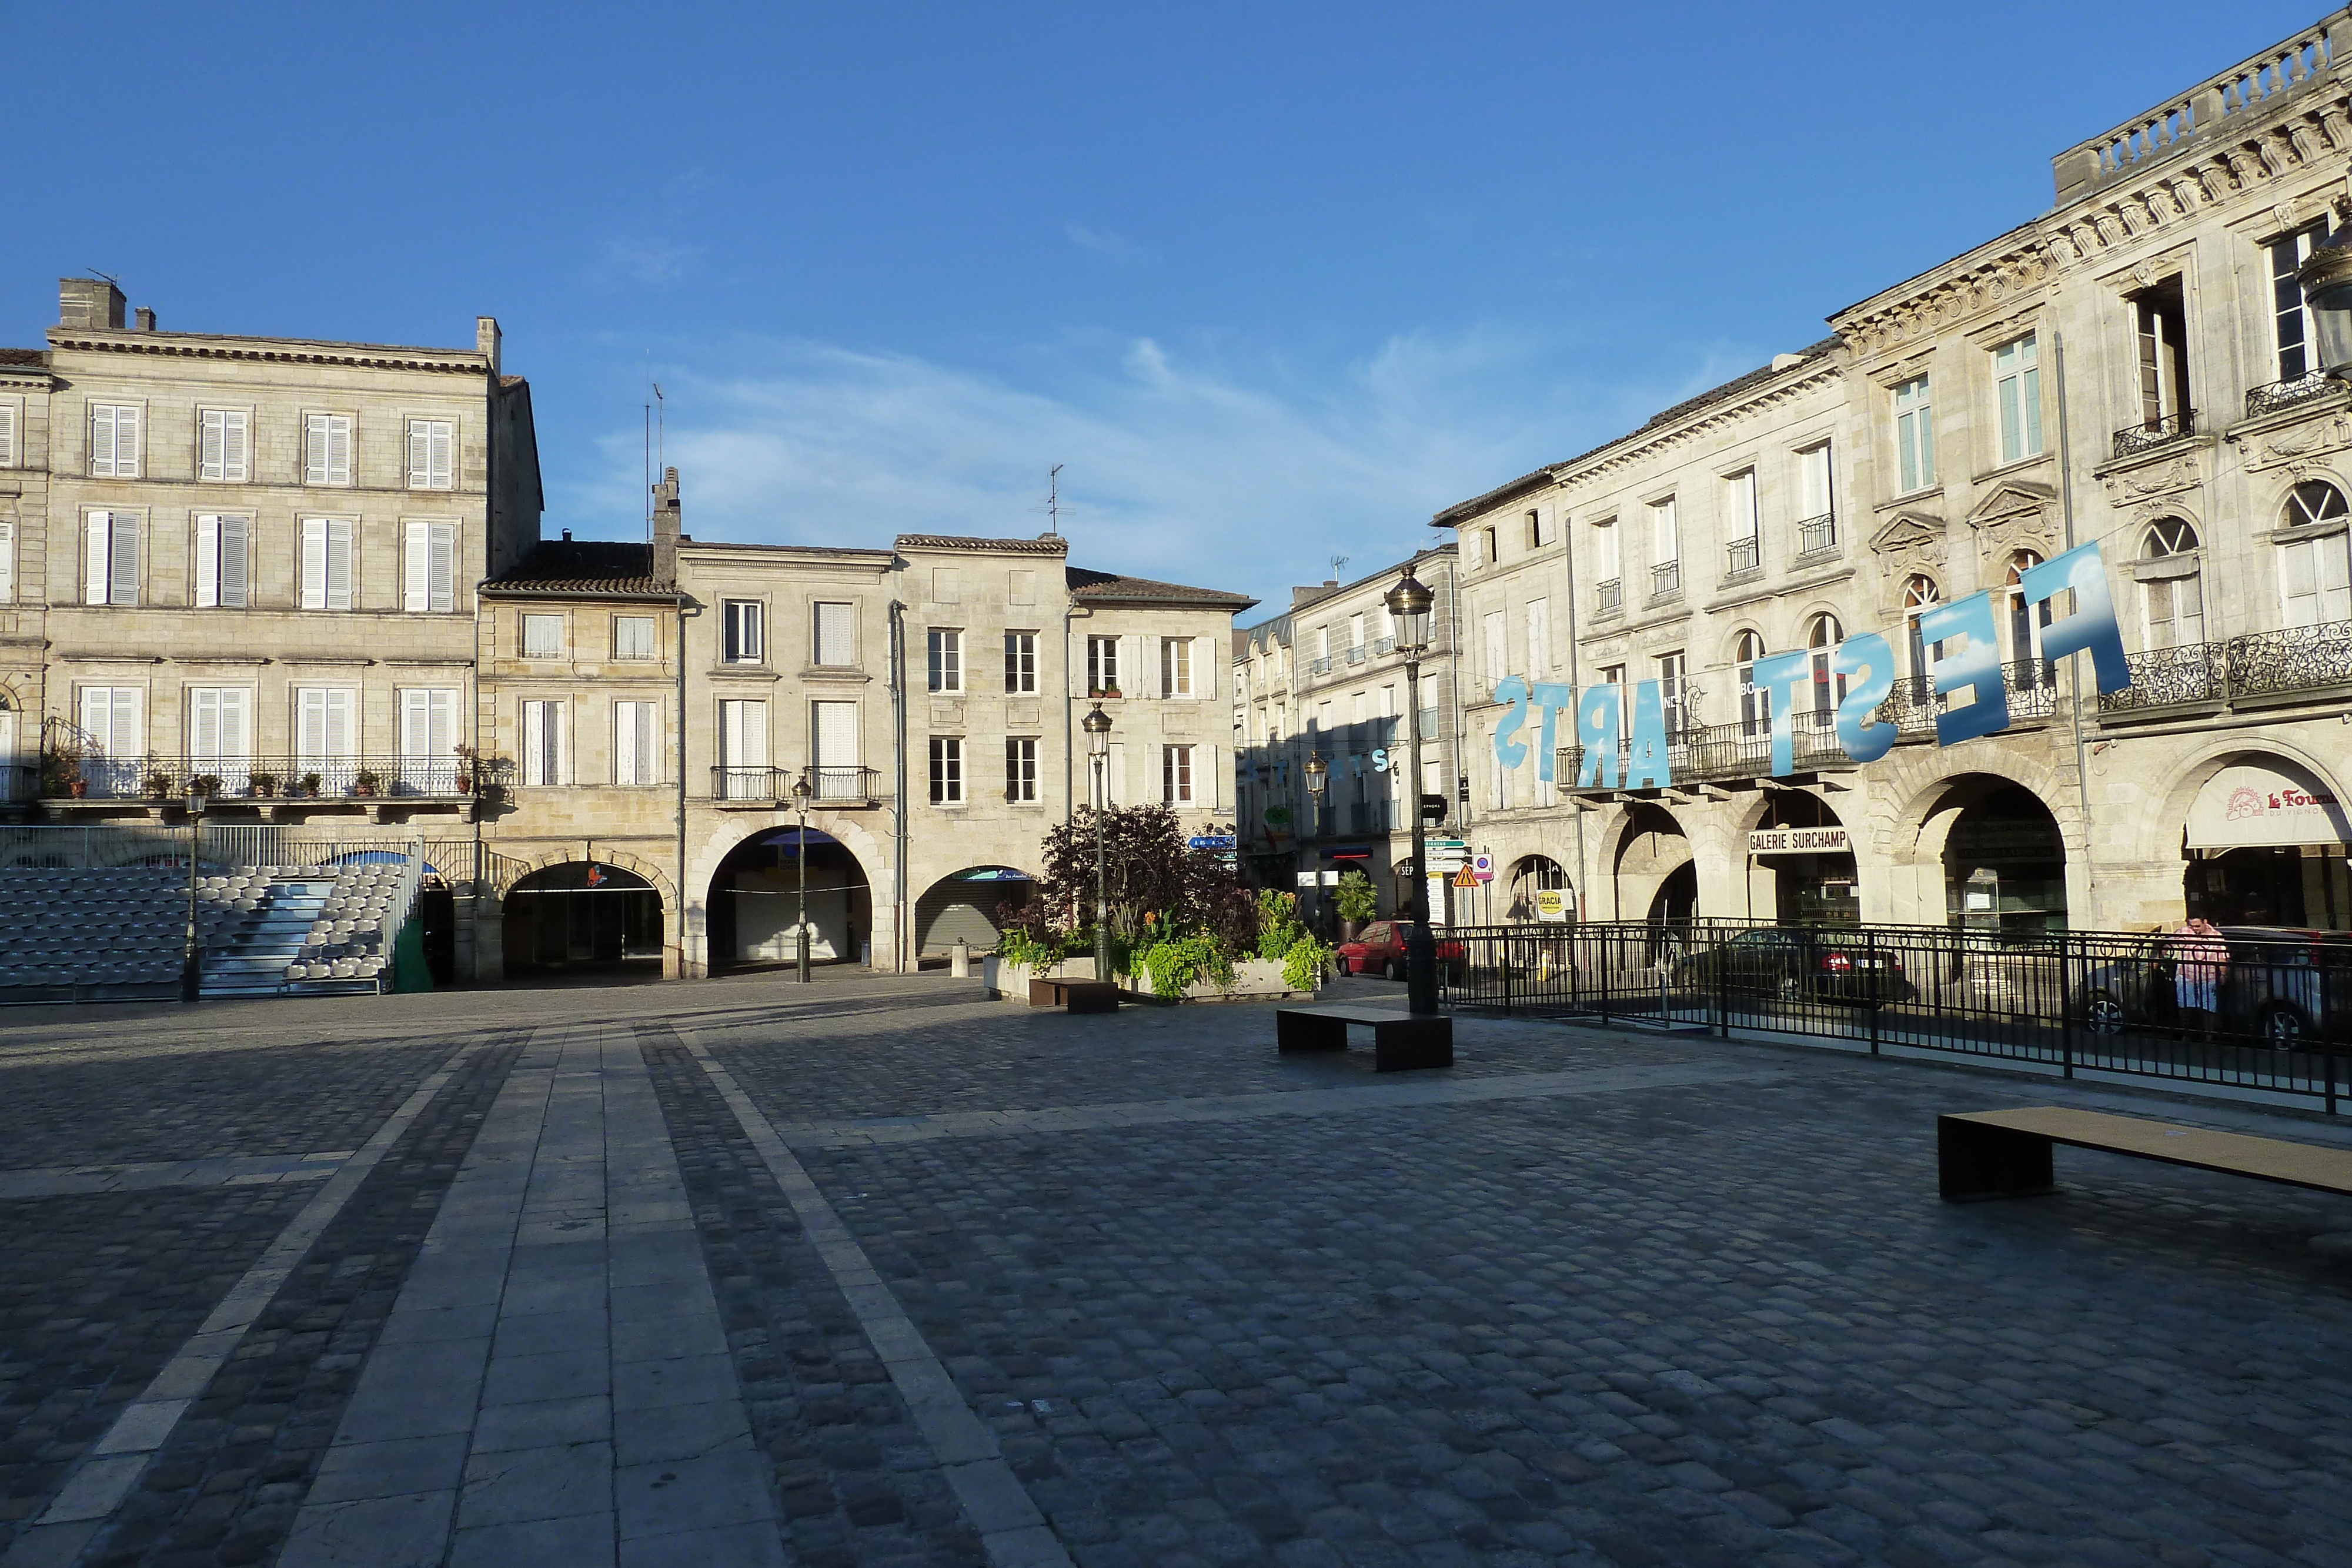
[
  {"x": 624, "y": 743},
  {"x": 1204, "y": 666},
  {"x": 100, "y": 557},
  {"x": 309, "y": 724},
  {"x": 314, "y": 563},
  {"x": 7, "y": 437},
  {"x": 420, "y": 450},
  {"x": 441, "y": 467},
  {"x": 441, "y": 570},
  {"x": 126, "y": 441},
  {"x": 236, "y": 723},
  {"x": 415, "y": 722},
  {"x": 7, "y": 560},
  {"x": 416, "y": 592},
  {"x": 208, "y": 562},
  {"x": 97, "y": 717},
  {"x": 212, "y": 458},
  {"x": 314, "y": 449},
  {"x": 340, "y": 730},
  {"x": 339, "y": 563},
  {"x": 123, "y": 580},
  {"x": 203, "y": 724},
  {"x": 533, "y": 758},
  {"x": 233, "y": 445},
  {"x": 101, "y": 440},
  {"x": 339, "y": 451},
  {"x": 236, "y": 562}
]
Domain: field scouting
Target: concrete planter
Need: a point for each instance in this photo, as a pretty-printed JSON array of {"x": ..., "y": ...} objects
[
  {"x": 1254, "y": 980},
  {"x": 1010, "y": 982}
]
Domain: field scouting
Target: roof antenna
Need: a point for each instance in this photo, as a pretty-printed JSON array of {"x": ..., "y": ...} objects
[
  {"x": 1338, "y": 562},
  {"x": 1053, "y": 501},
  {"x": 649, "y": 453},
  {"x": 106, "y": 277},
  {"x": 661, "y": 429}
]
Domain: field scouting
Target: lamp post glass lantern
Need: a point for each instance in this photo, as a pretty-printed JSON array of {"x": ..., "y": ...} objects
[
  {"x": 1097, "y": 724},
  {"x": 2327, "y": 282},
  {"x": 1410, "y": 602},
  {"x": 1318, "y": 774},
  {"x": 799, "y": 858}
]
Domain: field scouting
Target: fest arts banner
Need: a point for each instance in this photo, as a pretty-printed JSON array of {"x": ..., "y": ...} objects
[{"x": 1968, "y": 626}]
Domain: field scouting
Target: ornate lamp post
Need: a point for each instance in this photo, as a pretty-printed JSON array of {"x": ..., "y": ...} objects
[
  {"x": 2326, "y": 280},
  {"x": 800, "y": 857},
  {"x": 1097, "y": 724},
  {"x": 1409, "y": 604},
  {"x": 1319, "y": 774},
  {"x": 192, "y": 959}
]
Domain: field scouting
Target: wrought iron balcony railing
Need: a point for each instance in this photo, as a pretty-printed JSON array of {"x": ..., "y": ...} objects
[
  {"x": 1321, "y": 666},
  {"x": 1665, "y": 578},
  {"x": 1742, "y": 556},
  {"x": 2150, "y": 433},
  {"x": 1719, "y": 753},
  {"x": 828, "y": 785},
  {"x": 2277, "y": 395},
  {"x": 1383, "y": 644},
  {"x": 1357, "y": 655},
  {"x": 1817, "y": 536},
  {"x": 1609, "y": 594},
  {"x": 73, "y": 774}
]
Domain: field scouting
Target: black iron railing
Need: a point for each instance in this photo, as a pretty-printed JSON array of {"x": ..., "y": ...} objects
[
  {"x": 2153, "y": 433},
  {"x": 1609, "y": 594},
  {"x": 828, "y": 785},
  {"x": 1816, "y": 538},
  {"x": 74, "y": 774},
  {"x": 1714, "y": 753},
  {"x": 1743, "y": 555},
  {"x": 2250, "y": 1011},
  {"x": 2277, "y": 395},
  {"x": 2260, "y": 665},
  {"x": 1665, "y": 578}
]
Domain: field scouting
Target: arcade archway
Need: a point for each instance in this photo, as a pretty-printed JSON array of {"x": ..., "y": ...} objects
[
  {"x": 1655, "y": 874},
  {"x": 2265, "y": 843},
  {"x": 967, "y": 906},
  {"x": 1539, "y": 891},
  {"x": 2003, "y": 856},
  {"x": 1801, "y": 864},
  {"x": 759, "y": 893},
  {"x": 582, "y": 916}
]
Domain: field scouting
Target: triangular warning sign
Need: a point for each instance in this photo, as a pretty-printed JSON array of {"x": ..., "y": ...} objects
[{"x": 1466, "y": 877}]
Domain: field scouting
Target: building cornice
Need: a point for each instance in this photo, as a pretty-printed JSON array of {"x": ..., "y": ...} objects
[{"x": 269, "y": 350}]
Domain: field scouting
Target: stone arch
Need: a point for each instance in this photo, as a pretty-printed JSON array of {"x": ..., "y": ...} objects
[
  {"x": 1910, "y": 828},
  {"x": 2159, "y": 838},
  {"x": 1645, "y": 855},
  {"x": 722, "y": 832},
  {"x": 637, "y": 865},
  {"x": 572, "y": 922}
]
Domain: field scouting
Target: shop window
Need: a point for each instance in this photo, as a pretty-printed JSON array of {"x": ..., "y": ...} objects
[{"x": 2172, "y": 607}]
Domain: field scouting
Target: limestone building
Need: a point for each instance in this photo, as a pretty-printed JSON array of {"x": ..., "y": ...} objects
[{"x": 2132, "y": 368}]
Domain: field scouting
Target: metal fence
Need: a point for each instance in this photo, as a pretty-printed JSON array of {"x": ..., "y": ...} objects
[
  {"x": 460, "y": 862},
  {"x": 2252, "y": 1009}
]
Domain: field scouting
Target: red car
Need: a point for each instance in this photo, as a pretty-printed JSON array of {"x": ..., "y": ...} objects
[{"x": 1379, "y": 949}]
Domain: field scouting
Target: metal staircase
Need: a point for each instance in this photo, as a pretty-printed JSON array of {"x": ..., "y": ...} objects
[{"x": 253, "y": 961}]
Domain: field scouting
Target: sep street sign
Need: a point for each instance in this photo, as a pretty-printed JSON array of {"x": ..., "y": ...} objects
[{"x": 1796, "y": 842}]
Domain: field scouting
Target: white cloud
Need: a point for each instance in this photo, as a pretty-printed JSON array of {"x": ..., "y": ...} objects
[
  {"x": 1103, "y": 242},
  {"x": 1176, "y": 466},
  {"x": 649, "y": 261}
]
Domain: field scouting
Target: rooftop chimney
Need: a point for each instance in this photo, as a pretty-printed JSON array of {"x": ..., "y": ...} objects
[
  {"x": 666, "y": 525},
  {"x": 146, "y": 319},
  {"x": 486, "y": 340},
  {"x": 91, "y": 304},
  {"x": 567, "y": 535}
]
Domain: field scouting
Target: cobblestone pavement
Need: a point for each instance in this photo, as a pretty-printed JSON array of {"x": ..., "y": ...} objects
[{"x": 1592, "y": 1297}]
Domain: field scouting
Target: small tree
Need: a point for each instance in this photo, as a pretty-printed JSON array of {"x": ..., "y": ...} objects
[
  {"x": 1150, "y": 872},
  {"x": 1357, "y": 899}
]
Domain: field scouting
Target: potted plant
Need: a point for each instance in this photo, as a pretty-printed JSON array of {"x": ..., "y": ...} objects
[
  {"x": 365, "y": 782},
  {"x": 465, "y": 769},
  {"x": 310, "y": 785},
  {"x": 1110, "y": 691},
  {"x": 1359, "y": 903},
  {"x": 205, "y": 784},
  {"x": 158, "y": 784},
  {"x": 261, "y": 785}
]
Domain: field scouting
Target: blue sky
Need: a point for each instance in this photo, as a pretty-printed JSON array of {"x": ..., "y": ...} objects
[{"x": 1273, "y": 282}]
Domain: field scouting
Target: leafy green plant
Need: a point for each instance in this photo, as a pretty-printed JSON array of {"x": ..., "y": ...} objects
[
  {"x": 1357, "y": 899},
  {"x": 1277, "y": 923},
  {"x": 1302, "y": 964},
  {"x": 1017, "y": 945},
  {"x": 1175, "y": 962}
]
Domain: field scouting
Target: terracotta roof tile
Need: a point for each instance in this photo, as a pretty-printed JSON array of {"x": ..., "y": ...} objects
[
  {"x": 1111, "y": 587},
  {"x": 1050, "y": 545},
  {"x": 561, "y": 566}
]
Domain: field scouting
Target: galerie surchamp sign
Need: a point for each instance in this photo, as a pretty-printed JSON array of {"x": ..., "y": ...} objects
[{"x": 1967, "y": 660}]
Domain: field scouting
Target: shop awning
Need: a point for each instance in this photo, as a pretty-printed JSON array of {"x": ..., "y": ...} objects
[{"x": 2250, "y": 805}]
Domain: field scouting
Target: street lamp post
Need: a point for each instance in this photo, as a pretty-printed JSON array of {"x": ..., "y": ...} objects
[
  {"x": 1319, "y": 776},
  {"x": 192, "y": 956},
  {"x": 1097, "y": 724},
  {"x": 2326, "y": 281},
  {"x": 1408, "y": 605},
  {"x": 800, "y": 857}
]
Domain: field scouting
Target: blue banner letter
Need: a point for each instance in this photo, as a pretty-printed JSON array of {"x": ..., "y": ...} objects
[
  {"x": 2092, "y": 627},
  {"x": 1777, "y": 677},
  {"x": 1868, "y": 665},
  {"x": 1510, "y": 753},
  {"x": 1549, "y": 698},
  {"x": 1975, "y": 670},
  {"x": 1596, "y": 731},
  {"x": 1647, "y": 767}
]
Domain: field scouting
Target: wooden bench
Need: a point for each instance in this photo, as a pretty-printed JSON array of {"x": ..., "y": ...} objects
[
  {"x": 1077, "y": 996},
  {"x": 1400, "y": 1041},
  {"x": 2006, "y": 1153}
]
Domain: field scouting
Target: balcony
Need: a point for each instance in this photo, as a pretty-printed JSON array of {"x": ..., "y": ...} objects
[
  {"x": 2149, "y": 434},
  {"x": 1609, "y": 595},
  {"x": 1743, "y": 556},
  {"x": 70, "y": 774},
  {"x": 1665, "y": 580},
  {"x": 1359, "y": 653},
  {"x": 1383, "y": 645},
  {"x": 1723, "y": 753},
  {"x": 2279, "y": 395},
  {"x": 2250, "y": 671},
  {"x": 1320, "y": 667},
  {"x": 1816, "y": 538},
  {"x": 838, "y": 788}
]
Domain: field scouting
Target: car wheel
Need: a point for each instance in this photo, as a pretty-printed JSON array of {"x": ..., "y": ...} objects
[
  {"x": 2103, "y": 1014},
  {"x": 1389, "y": 971},
  {"x": 2282, "y": 1027}
]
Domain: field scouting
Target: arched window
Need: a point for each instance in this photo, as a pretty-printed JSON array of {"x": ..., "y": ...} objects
[
  {"x": 1754, "y": 707},
  {"x": 1920, "y": 595},
  {"x": 2172, "y": 597},
  {"x": 1822, "y": 638},
  {"x": 2028, "y": 669},
  {"x": 2315, "y": 573}
]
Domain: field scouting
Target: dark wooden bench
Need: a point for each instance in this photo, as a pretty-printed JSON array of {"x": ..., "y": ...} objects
[
  {"x": 1078, "y": 996},
  {"x": 2006, "y": 1153},
  {"x": 1400, "y": 1041}
]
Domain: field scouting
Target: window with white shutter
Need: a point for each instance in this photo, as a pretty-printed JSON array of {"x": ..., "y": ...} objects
[
  {"x": 110, "y": 720},
  {"x": 428, "y": 741},
  {"x": 840, "y": 773},
  {"x": 743, "y": 750},
  {"x": 8, "y": 435},
  {"x": 224, "y": 562},
  {"x": 743, "y": 632},
  {"x": 114, "y": 440},
  {"x": 220, "y": 733},
  {"x": 431, "y": 447},
  {"x": 2315, "y": 581},
  {"x": 327, "y": 563},
  {"x": 636, "y": 729},
  {"x": 836, "y": 641},
  {"x": 7, "y": 560},
  {"x": 542, "y": 743},
  {"x": 110, "y": 574},
  {"x": 429, "y": 569},
  {"x": 222, "y": 444},
  {"x": 327, "y": 449},
  {"x": 326, "y": 735}
]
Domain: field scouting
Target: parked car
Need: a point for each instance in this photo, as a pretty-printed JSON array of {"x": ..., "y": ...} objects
[
  {"x": 1379, "y": 949},
  {"x": 2285, "y": 984},
  {"x": 1794, "y": 962}
]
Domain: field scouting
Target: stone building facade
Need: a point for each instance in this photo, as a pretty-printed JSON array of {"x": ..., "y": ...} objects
[
  {"x": 2131, "y": 368},
  {"x": 306, "y": 580},
  {"x": 1326, "y": 680}
]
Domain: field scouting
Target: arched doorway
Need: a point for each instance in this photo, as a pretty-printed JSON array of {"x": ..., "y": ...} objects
[
  {"x": 964, "y": 907},
  {"x": 758, "y": 891},
  {"x": 2004, "y": 859},
  {"x": 1539, "y": 891},
  {"x": 1656, "y": 877},
  {"x": 2265, "y": 844},
  {"x": 1800, "y": 863},
  {"x": 582, "y": 916}
]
